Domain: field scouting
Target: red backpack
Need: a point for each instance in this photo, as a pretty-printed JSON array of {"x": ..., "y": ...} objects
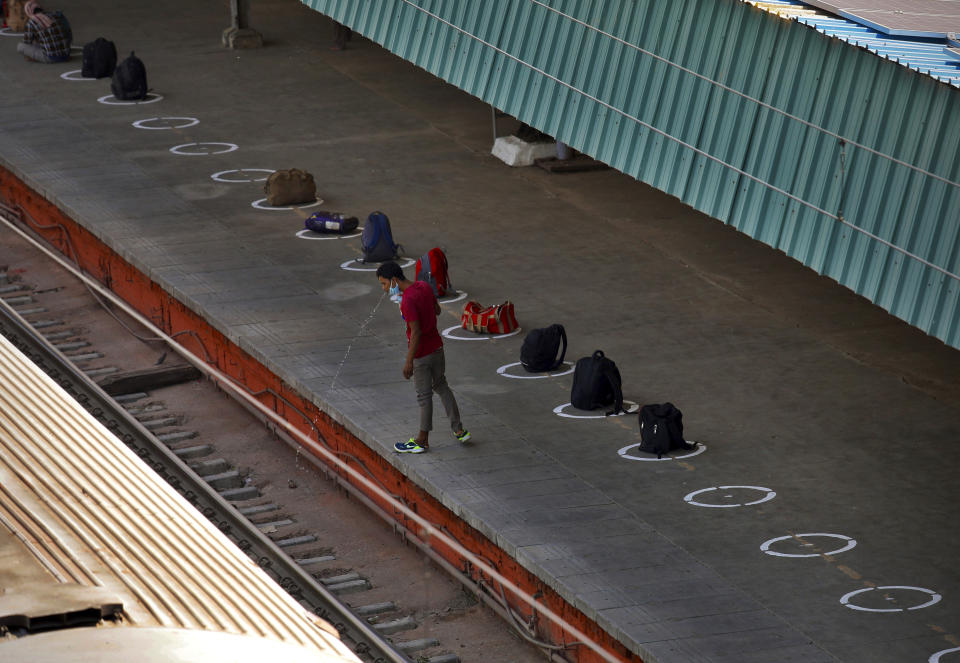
[{"x": 432, "y": 268}]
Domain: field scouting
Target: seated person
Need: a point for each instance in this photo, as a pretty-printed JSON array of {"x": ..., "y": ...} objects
[{"x": 47, "y": 37}]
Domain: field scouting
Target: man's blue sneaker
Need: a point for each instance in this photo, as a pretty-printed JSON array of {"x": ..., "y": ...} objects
[
  {"x": 411, "y": 446},
  {"x": 462, "y": 436}
]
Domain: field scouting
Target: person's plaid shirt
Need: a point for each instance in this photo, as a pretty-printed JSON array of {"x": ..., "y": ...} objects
[{"x": 55, "y": 40}]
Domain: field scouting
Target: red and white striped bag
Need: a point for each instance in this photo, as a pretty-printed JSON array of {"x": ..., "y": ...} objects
[{"x": 499, "y": 319}]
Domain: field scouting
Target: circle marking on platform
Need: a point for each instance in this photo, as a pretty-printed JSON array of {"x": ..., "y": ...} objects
[
  {"x": 625, "y": 453},
  {"x": 8, "y": 32},
  {"x": 504, "y": 371},
  {"x": 353, "y": 261},
  {"x": 934, "y": 598},
  {"x": 309, "y": 234},
  {"x": 559, "y": 411},
  {"x": 448, "y": 333},
  {"x": 179, "y": 149},
  {"x": 142, "y": 124},
  {"x": 261, "y": 204},
  {"x": 218, "y": 177},
  {"x": 935, "y": 657},
  {"x": 850, "y": 543},
  {"x": 690, "y": 498},
  {"x": 106, "y": 99},
  {"x": 68, "y": 76}
]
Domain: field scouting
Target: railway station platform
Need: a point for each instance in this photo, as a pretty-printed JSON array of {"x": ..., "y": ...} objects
[{"x": 816, "y": 522}]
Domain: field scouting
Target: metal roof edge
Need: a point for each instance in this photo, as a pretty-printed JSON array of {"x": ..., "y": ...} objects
[{"x": 879, "y": 27}]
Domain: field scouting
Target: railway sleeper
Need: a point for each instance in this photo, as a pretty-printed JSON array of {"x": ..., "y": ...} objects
[
  {"x": 240, "y": 494},
  {"x": 395, "y": 625},
  {"x": 225, "y": 480},
  {"x": 350, "y": 586},
  {"x": 159, "y": 422},
  {"x": 60, "y": 335},
  {"x": 254, "y": 509},
  {"x": 177, "y": 436},
  {"x": 443, "y": 658},
  {"x": 374, "y": 608},
  {"x": 296, "y": 540},
  {"x": 71, "y": 345},
  {"x": 274, "y": 525},
  {"x": 147, "y": 409},
  {"x": 131, "y": 397},
  {"x": 206, "y": 468},
  {"x": 417, "y": 645},
  {"x": 315, "y": 559},
  {"x": 193, "y": 451}
]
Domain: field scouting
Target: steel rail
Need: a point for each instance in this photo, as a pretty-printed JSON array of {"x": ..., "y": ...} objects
[{"x": 354, "y": 631}]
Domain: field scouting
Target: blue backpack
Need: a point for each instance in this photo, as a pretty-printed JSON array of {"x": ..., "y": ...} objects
[{"x": 377, "y": 239}]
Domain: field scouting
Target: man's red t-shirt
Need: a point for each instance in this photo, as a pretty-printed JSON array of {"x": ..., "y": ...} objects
[{"x": 418, "y": 304}]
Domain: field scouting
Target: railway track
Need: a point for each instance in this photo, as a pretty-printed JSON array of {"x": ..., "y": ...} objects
[{"x": 332, "y": 555}]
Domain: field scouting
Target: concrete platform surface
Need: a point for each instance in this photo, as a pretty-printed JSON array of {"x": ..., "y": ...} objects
[{"x": 824, "y": 419}]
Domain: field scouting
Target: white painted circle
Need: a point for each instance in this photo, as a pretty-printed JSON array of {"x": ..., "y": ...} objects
[
  {"x": 187, "y": 122},
  {"x": 76, "y": 48},
  {"x": 450, "y": 300},
  {"x": 935, "y": 658},
  {"x": 448, "y": 333},
  {"x": 559, "y": 411},
  {"x": 179, "y": 149},
  {"x": 8, "y": 32},
  {"x": 111, "y": 100},
  {"x": 503, "y": 370},
  {"x": 850, "y": 543},
  {"x": 348, "y": 265},
  {"x": 69, "y": 76},
  {"x": 309, "y": 234},
  {"x": 690, "y": 498},
  {"x": 625, "y": 453},
  {"x": 262, "y": 204},
  {"x": 219, "y": 177},
  {"x": 934, "y": 598}
]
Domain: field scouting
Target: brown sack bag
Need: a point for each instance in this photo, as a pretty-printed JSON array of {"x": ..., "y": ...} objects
[
  {"x": 290, "y": 187},
  {"x": 16, "y": 16}
]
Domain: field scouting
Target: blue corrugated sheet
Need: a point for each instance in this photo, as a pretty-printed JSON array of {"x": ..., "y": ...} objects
[
  {"x": 928, "y": 56},
  {"x": 846, "y": 161}
]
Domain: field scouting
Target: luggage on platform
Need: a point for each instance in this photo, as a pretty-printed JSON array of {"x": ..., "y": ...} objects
[
  {"x": 130, "y": 79},
  {"x": 499, "y": 319},
  {"x": 376, "y": 242},
  {"x": 331, "y": 223},
  {"x": 99, "y": 59},
  {"x": 432, "y": 269},
  {"x": 539, "y": 350},
  {"x": 661, "y": 429},
  {"x": 596, "y": 383},
  {"x": 290, "y": 187}
]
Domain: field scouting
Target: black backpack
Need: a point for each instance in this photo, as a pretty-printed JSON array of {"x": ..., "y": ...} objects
[
  {"x": 596, "y": 383},
  {"x": 130, "y": 79},
  {"x": 99, "y": 58},
  {"x": 539, "y": 350},
  {"x": 661, "y": 429}
]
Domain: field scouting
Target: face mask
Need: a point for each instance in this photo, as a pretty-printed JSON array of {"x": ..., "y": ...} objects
[{"x": 395, "y": 290}]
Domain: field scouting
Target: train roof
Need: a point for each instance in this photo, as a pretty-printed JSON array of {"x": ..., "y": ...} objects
[{"x": 88, "y": 532}]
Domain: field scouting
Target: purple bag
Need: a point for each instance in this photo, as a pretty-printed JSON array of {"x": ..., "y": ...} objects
[{"x": 331, "y": 223}]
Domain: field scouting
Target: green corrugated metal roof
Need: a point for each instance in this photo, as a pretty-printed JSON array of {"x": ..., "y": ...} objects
[{"x": 845, "y": 161}]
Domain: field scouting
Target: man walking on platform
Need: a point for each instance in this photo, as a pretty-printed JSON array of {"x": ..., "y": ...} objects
[{"x": 425, "y": 361}]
